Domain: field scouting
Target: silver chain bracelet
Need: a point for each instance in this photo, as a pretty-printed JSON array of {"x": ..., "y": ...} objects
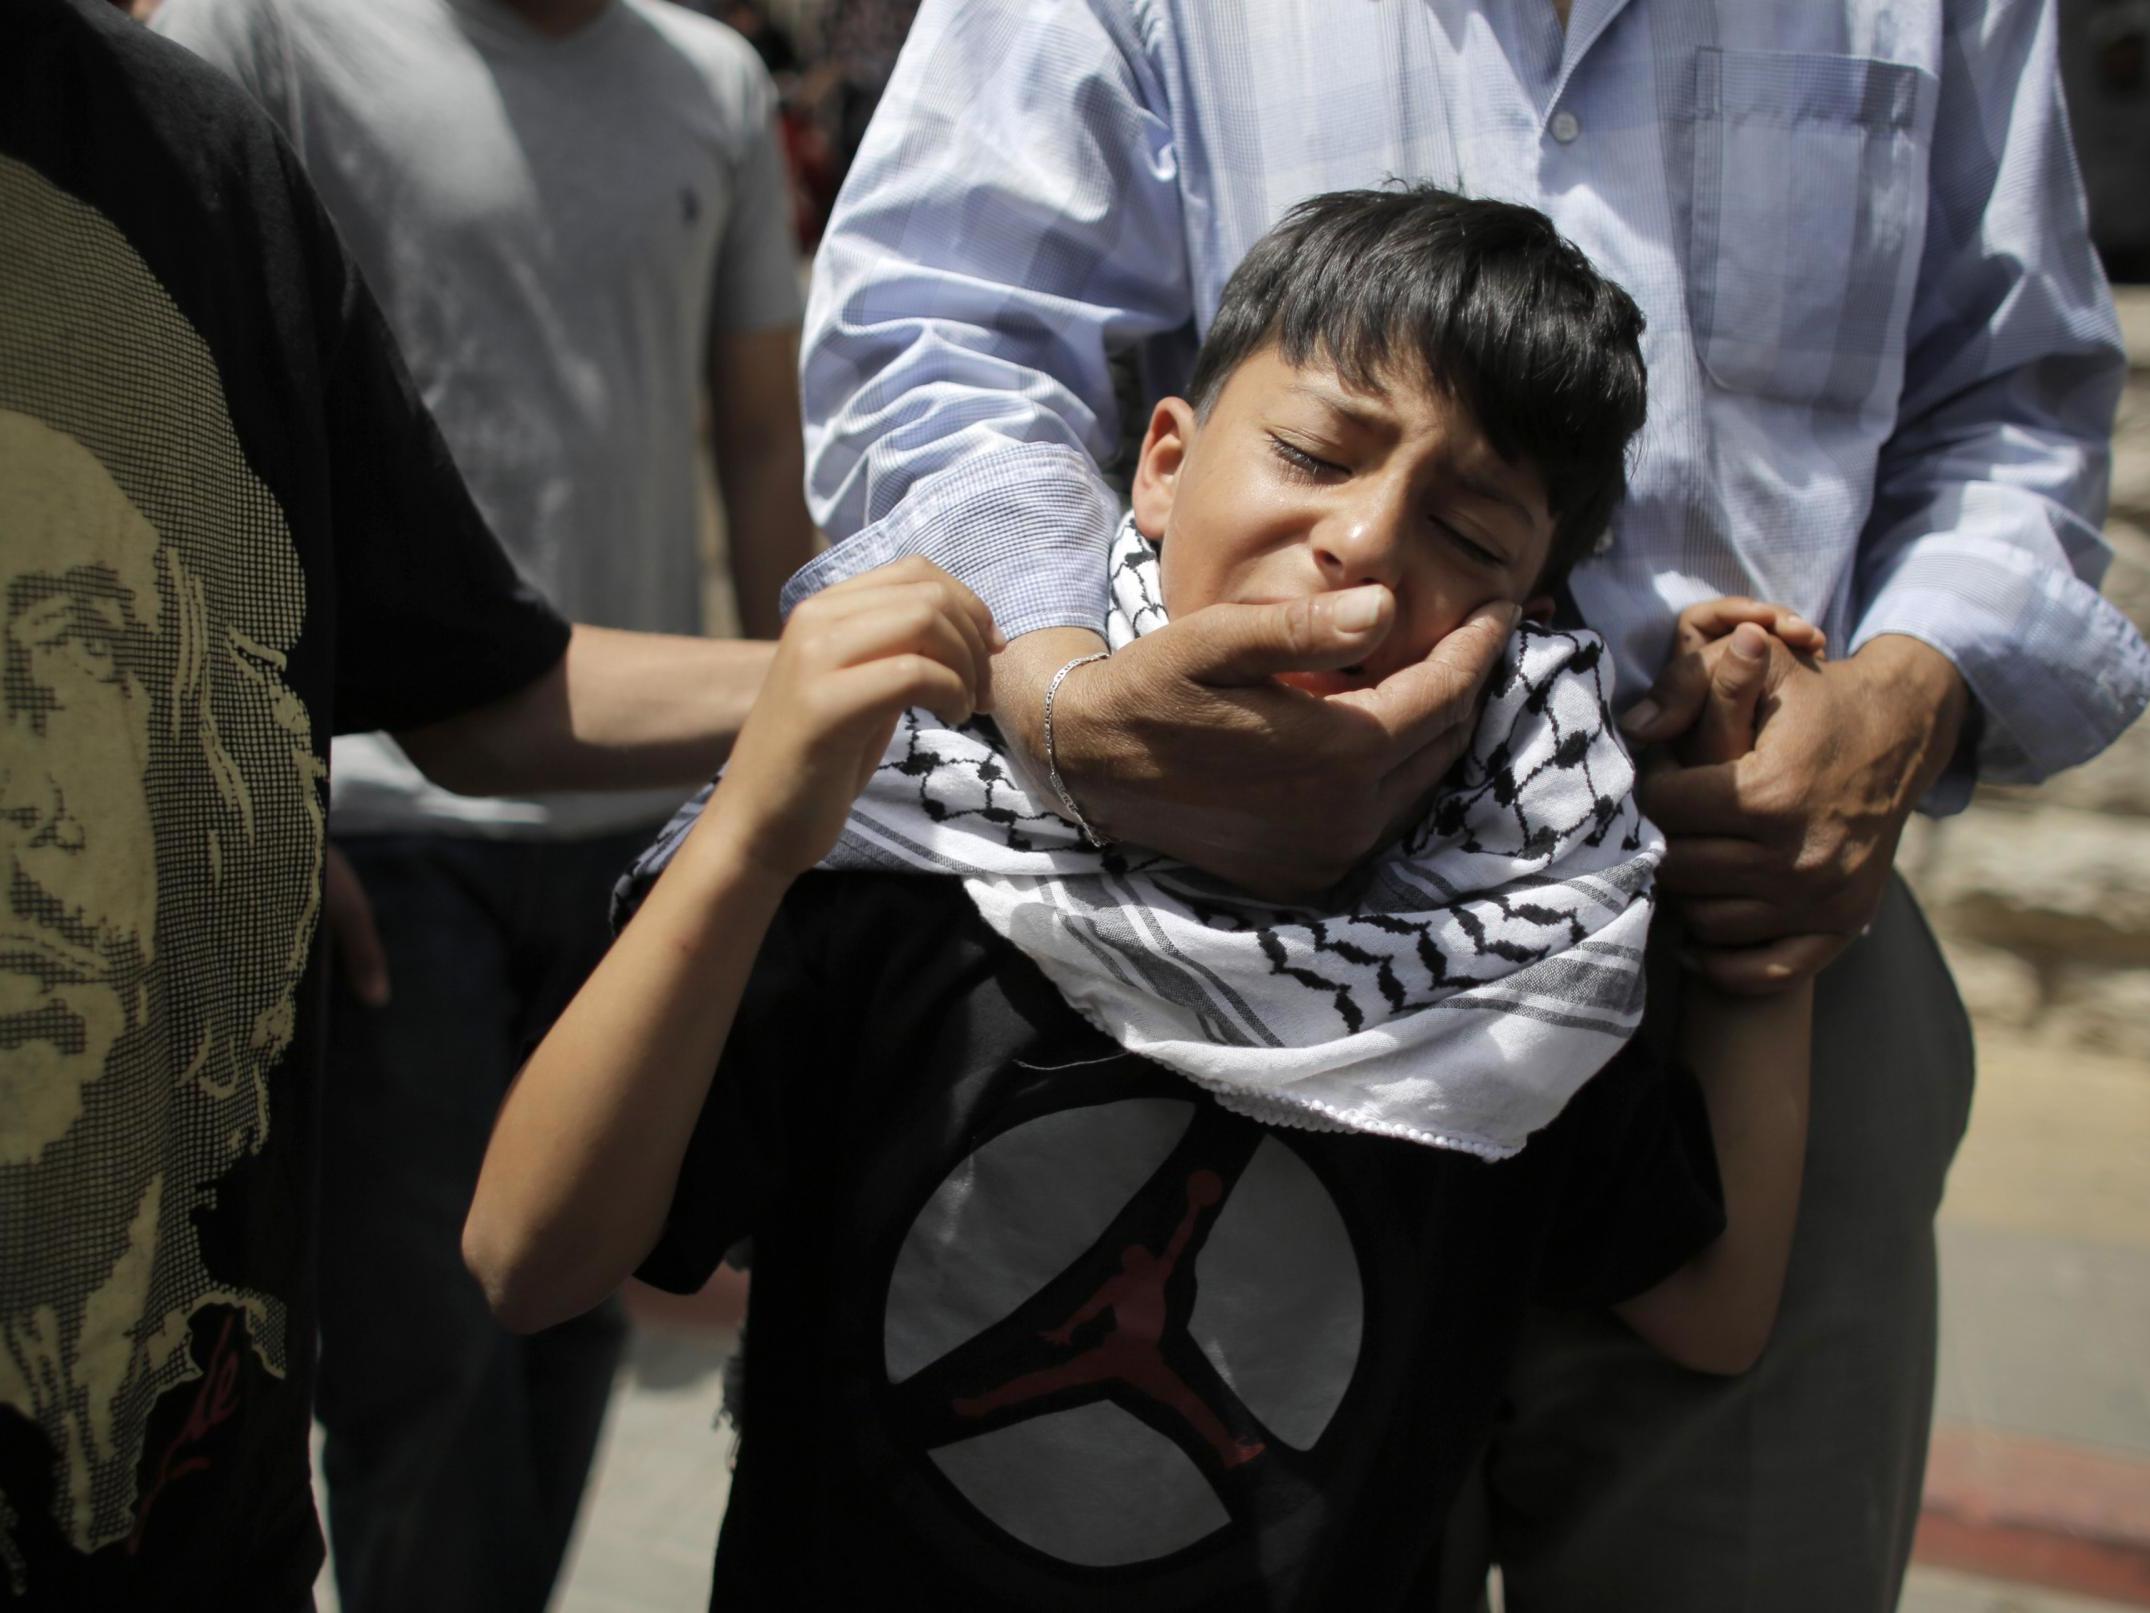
[{"x": 1052, "y": 762}]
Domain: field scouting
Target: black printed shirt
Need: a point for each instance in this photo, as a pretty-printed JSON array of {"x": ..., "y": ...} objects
[
  {"x": 229, "y": 530},
  {"x": 1038, "y": 1324}
]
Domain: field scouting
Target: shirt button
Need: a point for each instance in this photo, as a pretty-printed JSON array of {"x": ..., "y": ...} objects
[{"x": 1565, "y": 126}]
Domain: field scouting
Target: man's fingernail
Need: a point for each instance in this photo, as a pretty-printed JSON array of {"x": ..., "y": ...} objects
[
  {"x": 1639, "y": 716},
  {"x": 1358, "y": 609},
  {"x": 1750, "y": 646}
]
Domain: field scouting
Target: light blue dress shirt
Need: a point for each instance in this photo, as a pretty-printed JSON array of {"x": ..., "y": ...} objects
[{"x": 1883, "y": 359}]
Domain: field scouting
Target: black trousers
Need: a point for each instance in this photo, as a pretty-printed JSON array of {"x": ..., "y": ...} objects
[{"x": 455, "y": 1452}]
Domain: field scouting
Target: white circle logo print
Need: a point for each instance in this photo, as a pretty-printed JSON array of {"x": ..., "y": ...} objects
[{"x": 1106, "y": 1323}]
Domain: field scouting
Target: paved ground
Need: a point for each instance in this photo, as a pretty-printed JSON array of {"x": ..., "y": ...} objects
[
  {"x": 651, "y": 1527},
  {"x": 2041, "y": 1461},
  {"x": 2045, "y": 1248},
  {"x": 1941, "y": 1590}
]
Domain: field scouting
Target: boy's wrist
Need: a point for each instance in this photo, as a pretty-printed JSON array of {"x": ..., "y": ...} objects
[{"x": 719, "y": 861}]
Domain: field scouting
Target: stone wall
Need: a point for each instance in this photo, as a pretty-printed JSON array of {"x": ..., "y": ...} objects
[{"x": 2042, "y": 896}]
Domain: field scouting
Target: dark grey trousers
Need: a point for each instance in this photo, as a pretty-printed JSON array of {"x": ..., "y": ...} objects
[
  {"x": 455, "y": 1452},
  {"x": 1623, "y": 1484}
]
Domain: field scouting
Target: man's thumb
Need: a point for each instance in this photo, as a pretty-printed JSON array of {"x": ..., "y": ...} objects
[{"x": 1240, "y": 644}]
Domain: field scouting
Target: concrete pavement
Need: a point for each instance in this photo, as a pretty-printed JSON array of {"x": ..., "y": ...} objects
[{"x": 2041, "y": 1459}]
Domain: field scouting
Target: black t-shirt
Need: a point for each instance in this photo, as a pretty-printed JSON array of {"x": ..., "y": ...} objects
[
  {"x": 230, "y": 529},
  {"x": 1038, "y": 1324}
]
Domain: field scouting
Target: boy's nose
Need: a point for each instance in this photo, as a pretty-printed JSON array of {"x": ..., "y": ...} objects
[{"x": 1360, "y": 547}]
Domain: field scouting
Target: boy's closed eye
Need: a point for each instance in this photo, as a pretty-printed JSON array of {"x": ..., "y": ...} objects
[
  {"x": 1484, "y": 553},
  {"x": 1303, "y": 462}
]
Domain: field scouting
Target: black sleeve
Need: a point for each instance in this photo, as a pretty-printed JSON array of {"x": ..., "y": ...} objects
[
  {"x": 739, "y": 1157},
  {"x": 1641, "y": 1195},
  {"x": 433, "y": 619}
]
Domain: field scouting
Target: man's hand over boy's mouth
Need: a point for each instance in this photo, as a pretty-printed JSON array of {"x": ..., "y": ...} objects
[{"x": 1188, "y": 740}]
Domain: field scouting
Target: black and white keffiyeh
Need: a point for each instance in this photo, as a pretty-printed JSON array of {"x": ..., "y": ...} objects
[{"x": 1457, "y": 991}]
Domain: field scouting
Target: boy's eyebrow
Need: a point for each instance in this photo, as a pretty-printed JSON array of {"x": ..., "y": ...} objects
[{"x": 1337, "y": 403}]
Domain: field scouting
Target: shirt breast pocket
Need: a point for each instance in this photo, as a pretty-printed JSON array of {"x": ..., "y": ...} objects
[{"x": 1809, "y": 207}]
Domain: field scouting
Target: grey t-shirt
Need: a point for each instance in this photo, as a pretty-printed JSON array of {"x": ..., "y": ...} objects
[{"x": 554, "y": 227}]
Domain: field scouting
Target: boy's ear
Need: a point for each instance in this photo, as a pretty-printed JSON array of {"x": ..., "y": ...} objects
[
  {"x": 1539, "y": 608},
  {"x": 1157, "y": 472}
]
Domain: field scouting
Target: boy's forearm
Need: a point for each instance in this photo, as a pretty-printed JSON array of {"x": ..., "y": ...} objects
[
  {"x": 1752, "y": 1057},
  {"x": 587, "y": 1148},
  {"x": 619, "y": 711}
]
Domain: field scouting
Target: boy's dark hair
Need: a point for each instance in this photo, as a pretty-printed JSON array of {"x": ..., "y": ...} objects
[{"x": 1486, "y": 299}]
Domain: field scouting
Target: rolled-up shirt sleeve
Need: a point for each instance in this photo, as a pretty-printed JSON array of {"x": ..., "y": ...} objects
[
  {"x": 1013, "y": 222},
  {"x": 1984, "y": 538}
]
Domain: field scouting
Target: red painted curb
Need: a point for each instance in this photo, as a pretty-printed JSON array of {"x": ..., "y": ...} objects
[
  {"x": 2040, "y": 1512},
  {"x": 2028, "y": 1557}
]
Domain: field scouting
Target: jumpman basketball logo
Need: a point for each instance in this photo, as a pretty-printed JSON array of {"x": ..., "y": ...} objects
[
  {"x": 1130, "y": 1351},
  {"x": 1077, "y": 1330}
]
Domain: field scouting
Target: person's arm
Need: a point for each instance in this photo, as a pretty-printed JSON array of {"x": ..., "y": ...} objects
[
  {"x": 586, "y": 1152},
  {"x": 1012, "y": 221},
  {"x": 1751, "y": 1055},
  {"x": 753, "y": 360},
  {"x": 1983, "y": 545},
  {"x": 1976, "y": 586},
  {"x": 761, "y": 467},
  {"x": 1005, "y": 228},
  {"x": 618, "y": 711}
]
